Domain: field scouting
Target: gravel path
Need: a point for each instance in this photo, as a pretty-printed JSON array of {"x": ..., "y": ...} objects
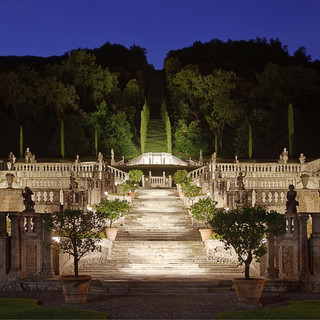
[{"x": 179, "y": 306}]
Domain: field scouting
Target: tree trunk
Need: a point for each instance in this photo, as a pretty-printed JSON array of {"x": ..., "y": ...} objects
[
  {"x": 76, "y": 267},
  {"x": 247, "y": 266}
]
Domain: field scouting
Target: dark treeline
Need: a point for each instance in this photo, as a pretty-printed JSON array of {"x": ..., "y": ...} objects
[
  {"x": 231, "y": 97},
  {"x": 221, "y": 95},
  {"x": 93, "y": 98}
]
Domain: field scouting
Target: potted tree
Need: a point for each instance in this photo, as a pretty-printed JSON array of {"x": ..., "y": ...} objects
[
  {"x": 79, "y": 233},
  {"x": 109, "y": 212},
  {"x": 203, "y": 211},
  {"x": 245, "y": 229},
  {"x": 131, "y": 185},
  {"x": 190, "y": 191},
  {"x": 180, "y": 177}
]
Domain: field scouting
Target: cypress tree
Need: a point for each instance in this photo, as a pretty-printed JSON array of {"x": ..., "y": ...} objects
[
  {"x": 291, "y": 129},
  {"x": 250, "y": 142},
  {"x": 21, "y": 142},
  {"x": 216, "y": 144},
  {"x": 96, "y": 141},
  {"x": 62, "y": 138}
]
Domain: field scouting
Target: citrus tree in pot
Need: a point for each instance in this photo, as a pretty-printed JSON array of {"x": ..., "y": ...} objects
[
  {"x": 180, "y": 178},
  {"x": 79, "y": 233},
  {"x": 132, "y": 184},
  {"x": 245, "y": 229},
  {"x": 203, "y": 211},
  {"x": 109, "y": 212},
  {"x": 191, "y": 191}
]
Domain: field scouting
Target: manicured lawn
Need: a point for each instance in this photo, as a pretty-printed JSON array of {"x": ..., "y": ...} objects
[
  {"x": 17, "y": 308},
  {"x": 309, "y": 309}
]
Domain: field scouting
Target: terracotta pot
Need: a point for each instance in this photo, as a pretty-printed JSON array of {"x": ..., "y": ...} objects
[
  {"x": 132, "y": 194},
  {"x": 205, "y": 234},
  {"x": 249, "y": 292},
  {"x": 75, "y": 289},
  {"x": 111, "y": 233}
]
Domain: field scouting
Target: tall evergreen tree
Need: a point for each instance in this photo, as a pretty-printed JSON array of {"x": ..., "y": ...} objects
[{"x": 291, "y": 129}]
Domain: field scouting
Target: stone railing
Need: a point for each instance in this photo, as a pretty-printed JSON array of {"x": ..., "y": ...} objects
[
  {"x": 270, "y": 197},
  {"x": 58, "y": 167},
  {"x": 259, "y": 169},
  {"x": 162, "y": 158},
  {"x": 197, "y": 172},
  {"x": 119, "y": 175},
  {"x": 153, "y": 181}
]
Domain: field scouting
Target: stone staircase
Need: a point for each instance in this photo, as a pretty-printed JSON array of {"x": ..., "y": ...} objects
[{"x": 158, "y": 250}]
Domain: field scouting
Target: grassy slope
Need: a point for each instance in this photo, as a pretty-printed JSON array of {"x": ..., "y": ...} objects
[
  {"x": 309, "y": 309},
  {"x": 29, "y": 309},
  {"x": 156, "y": 136}
]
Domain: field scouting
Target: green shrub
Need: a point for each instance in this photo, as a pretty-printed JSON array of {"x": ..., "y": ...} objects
[
  {"x": 180, "y": 176},
  {"x": 204, "y": 210},
  {"x": 110, "y": 211}
]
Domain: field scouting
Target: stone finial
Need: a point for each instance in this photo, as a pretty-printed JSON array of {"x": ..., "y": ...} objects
[
  {"x": 77, "y": 159},
  {"x": 28, "y": 156},
  {"x": 100, "y": 157},
  {"x": 236, "y": 159},
  {"x": 284, "y": 156},
  {"x": 302, "y": 158}
]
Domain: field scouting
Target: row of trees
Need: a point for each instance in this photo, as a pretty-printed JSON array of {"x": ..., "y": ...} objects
[
  {"x": 74, "y": 105},
  {"x": 216, "y": 103}
]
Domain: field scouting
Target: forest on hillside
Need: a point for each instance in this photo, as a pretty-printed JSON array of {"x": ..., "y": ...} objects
[
  {"x": 250, "y": 98},
  {"x": 92, "y": 97}
]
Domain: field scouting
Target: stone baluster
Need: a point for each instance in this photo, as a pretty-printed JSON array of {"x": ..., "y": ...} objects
[
  {"x": 47, "y": 268},
  {"x": 3, "y": 244},
  {"x": 303, "y": 246},
  {"x": 316, "y": 244},
  {"x": 15, "y": 269}
]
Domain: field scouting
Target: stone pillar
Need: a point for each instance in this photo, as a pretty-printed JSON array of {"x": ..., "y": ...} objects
[
  {"x": 272, "y": 271},
  {"x": 3, "y": 245},
  {"x": 15, "y": 269},
  {"x": 316, "y": 244},
  {"x": 289, "y": 249},
  {"x": 47, "y": 269},
  {"x": 303, "y": 246}
]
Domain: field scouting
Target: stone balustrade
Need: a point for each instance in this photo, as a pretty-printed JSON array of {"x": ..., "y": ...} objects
[
  {"x": 119, "y": 175},
  {"x": 156, "y": 181}
]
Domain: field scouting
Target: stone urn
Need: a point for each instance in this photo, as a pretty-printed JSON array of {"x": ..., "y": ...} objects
[
  {"x": 205, "y": 234},
  {"x": 9, "y": 177},
  {"x": 249, "y": 292},
  {"x": 111, "y": 233},
  {"x": 304, "y": 180},
  {"x": 75, "y": 289}
]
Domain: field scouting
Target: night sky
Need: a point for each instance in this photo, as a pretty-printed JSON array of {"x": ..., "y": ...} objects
[{"x": 53, "y": 27}]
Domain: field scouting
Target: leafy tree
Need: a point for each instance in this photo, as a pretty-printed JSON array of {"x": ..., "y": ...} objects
[
  {"x": 222, "y": 104},
  {"x": 79, "y": 232},
  {"x": 188, "y": 139},
  {"x": 204, "y": 210},
  {"x": 245, "y": 228},
  {"x": 110, "y": 211},
  {"x": 291, "y": 129},
  {"x": 135, "y": 175},
  {"x": 191, "y": 191},
  {"x": 180, "y": 176}
]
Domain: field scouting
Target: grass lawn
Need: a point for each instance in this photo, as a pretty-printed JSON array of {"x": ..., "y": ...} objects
[
  {"x": 308, "y": 309},
  {"x": 17, "y": 308}
]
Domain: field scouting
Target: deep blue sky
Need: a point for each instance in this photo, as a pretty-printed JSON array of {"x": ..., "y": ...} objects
[{"x": 53, "y": 27}]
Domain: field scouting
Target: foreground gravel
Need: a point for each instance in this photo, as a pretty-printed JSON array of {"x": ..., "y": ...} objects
[{"x": 178, "y": 306}]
